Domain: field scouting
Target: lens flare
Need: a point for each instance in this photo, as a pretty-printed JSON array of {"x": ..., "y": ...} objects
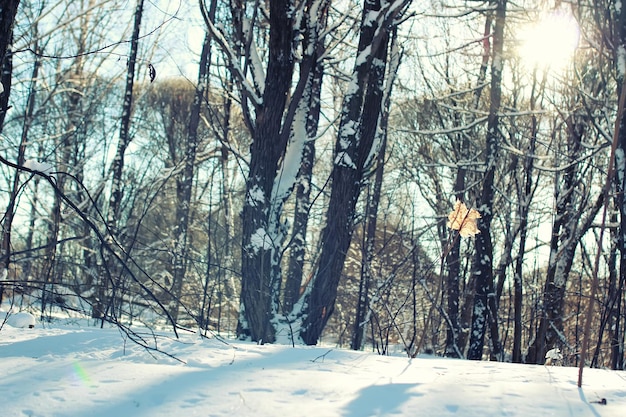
[{"x": 551, "y": 41}]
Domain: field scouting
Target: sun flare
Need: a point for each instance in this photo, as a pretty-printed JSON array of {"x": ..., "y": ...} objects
[{"x": 549, "y": 42}]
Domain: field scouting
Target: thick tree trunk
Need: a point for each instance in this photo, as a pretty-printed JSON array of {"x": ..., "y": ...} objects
[
  {"x": 297, "y": 251},
  {"x": 8, "y": 10},
  {"x": 316, "y": 46},
  {"x": 361, "y": 105},
  {"x": 260, "y": 250},
  {"x": 6, "y": 78},
  {"x": 373, "y": 200},
  {"x": 485, "y": 310}
]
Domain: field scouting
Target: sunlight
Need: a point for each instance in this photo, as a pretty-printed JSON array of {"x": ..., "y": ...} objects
[{"x": 549, "y": 42}]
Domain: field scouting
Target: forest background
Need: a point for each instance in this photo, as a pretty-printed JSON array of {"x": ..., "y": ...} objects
[{"x": 287, "y": 171}]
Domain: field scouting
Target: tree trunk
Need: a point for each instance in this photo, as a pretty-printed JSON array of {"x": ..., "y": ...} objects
[
  {"x": 525, "y": 197},
  {"x": 184, "y": 183},
  {"x": 6, "y": 77},
  {"x": 8, "y": 11},
  {"x": 373, "y": 200},
  {"x": 620, "y": 179},
  {"x": 454, "y": 345},
  {"x": 7, "y": 18},
  {"x": 226, "y": 287},
  {"x": 368, "y": 251},
  {"x": 485, "y": 310},
  {"x": 108, "y": 277},
  {"x": 261, "y": 252},
  {"x": 297, "y": 252},
  {"x": 361, "y": 105},
  {"x": 609, "y": 303},
  {"x": 125, "y": 138}
]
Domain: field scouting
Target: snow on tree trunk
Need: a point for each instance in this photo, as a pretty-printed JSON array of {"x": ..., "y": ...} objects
[
  {"x": 313, "y": 47},
  {"x": 303, "y": 192}
]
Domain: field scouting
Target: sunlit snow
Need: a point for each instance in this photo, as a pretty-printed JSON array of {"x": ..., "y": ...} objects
[
  {"x": 43, "y": 167},
  {"x": 76, "y": 370}
]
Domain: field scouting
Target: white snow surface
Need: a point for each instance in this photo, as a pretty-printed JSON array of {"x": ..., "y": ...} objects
[
  {"x": 74, "y": 370},
  {"x": 19, "y": 319}
]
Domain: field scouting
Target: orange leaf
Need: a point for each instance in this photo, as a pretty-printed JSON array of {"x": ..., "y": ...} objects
[{"x": 463, "y": 220}]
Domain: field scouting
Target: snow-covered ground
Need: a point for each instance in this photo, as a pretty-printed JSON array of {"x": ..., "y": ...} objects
[{"x": 77, "y": 370}]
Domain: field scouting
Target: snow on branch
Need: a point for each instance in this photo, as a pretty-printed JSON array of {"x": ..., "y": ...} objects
[
  {"x": 42, "y": 167},
  {"x": 455, "y": 129},
  {"x": 234, "y": 65}
]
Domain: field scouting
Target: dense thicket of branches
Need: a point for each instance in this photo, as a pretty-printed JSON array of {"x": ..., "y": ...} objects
[{"x": 285, "y": 172}]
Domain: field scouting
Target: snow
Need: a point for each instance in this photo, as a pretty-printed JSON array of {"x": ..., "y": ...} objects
[
  {"x": 621, "y": 61},
  {"x": 77, "y": 370},
  {"x": 43, "y": 167},
  {"x": 260, "y": 240},
  {"x": 343, "y": 159},
  {"x": 19, "y": 320},
  {"x": 553, "y": 355},
  {"x": 255, "y": 196},
  {"x": 348, "y": 131},
  {"x": 288, "y": 171}
]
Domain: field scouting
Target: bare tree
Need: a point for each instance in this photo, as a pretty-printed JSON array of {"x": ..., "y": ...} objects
[
  {"x": 485, "y": 310},
  {"x": 184, "y": 183},
  {"x": 373, "y": 201},
  {"x": 361, "y": 108},
  {"x": 103, "y": 304}
]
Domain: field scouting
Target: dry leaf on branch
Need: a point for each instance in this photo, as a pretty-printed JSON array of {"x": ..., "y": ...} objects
[
  {"x": 463, "y": 220},
  {"x": 151, "y": 72}
]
